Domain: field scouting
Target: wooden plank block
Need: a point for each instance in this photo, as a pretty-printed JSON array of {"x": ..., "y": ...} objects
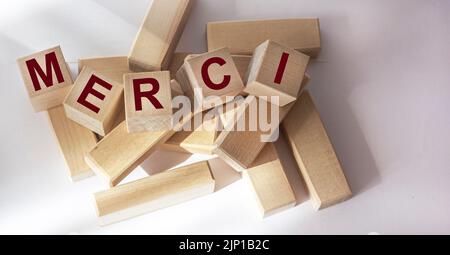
[
  {"x": 240, "y": 148},
  {"x": 148, "y": 101},
  {"x": 242, "y": 37},
  {"x": 158, "y": 35},
  {"x": 94, "y": 101},
  {"x": 315, "y": 155},
  {"x": 46, "y": 77},
  {"x": 113, "y": 68},
  {"x": 154, "y": 192},
  {"x": 74, "y": 142},
  {"x": 269, "y": 182},
  {"x": 211, "y": 74},
  {"x": 276, "y": 70}
]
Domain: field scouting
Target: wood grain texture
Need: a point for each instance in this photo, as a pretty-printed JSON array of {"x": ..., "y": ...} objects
[
  {"x": 240, "y": 148},
  {"x": 269, "y": 182},
  {"x": 263, "y": 77},
  {"x": 149, "y": 117},
  {"x": 158, "y": 35},
  {"x": 42, "y": 95},
  {"x": 315, "y": 155},
  {"x": 74, "y": 141},
  {"x": 114, "y": 68},
  {"x": 193, "y": 72},
  {"x": 242, "y": 37},
  {"x": 154, "y": 192}
]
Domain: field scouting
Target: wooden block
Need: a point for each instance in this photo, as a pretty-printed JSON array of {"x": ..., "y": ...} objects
[
  {"x": 211, "y": 74},
  {"x": 154, "y": 192},
  {"x": 201, "y": 139},
  {"x": 94, "y": 101},
  {"x": 176, "y": 62},
  {"x": 242, "y": 62},
  {"x": 175, "y": 89},
  {"x": 240, "y": 148},
  {"x": 74, "y": 141},
  {"x": 242, "y": 37},
  {"x": 268, "y": 180},
  {"x": 315, "y": 155},
  {"x": 46, "y": 78},
  {"x": 276, "y": 70},
  {"x": 148, "y": 101},
  {"x": 113, "y": 68},
  {"x": 158, "y": 35}
]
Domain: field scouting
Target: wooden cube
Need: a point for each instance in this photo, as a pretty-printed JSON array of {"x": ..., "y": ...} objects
[
  {"x": 315, "y": 155},
  {"x": 276, "y": 70},
  {"x": 158, "y": 35},
  {"x": 94, "y": 101},
  {"x": 242, "y": 37},
  {"x": 269, "y": 182},
  {"x": 212, "y": 74},
  {"x": 47, "y": 78},
  {"x": 148, "y": 101},
  {"x": 154, "y": 192}
]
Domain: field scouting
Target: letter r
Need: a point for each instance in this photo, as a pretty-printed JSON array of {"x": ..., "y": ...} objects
[{"x": 150, "y": 95}]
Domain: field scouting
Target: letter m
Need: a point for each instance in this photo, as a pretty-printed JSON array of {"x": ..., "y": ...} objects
[{"x": 51, "y": 63}]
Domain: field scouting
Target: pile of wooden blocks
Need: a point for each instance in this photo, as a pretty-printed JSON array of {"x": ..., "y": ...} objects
[{"x": 119, "y": 110}]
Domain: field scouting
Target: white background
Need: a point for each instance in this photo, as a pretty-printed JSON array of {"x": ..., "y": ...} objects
[{"x": 381, "y": 83}]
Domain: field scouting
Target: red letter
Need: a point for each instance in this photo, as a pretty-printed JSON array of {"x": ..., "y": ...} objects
[
  {"x": 51, "y": 63},
  {"x": 138, "y": 94},
  {"x": 89, "y": 89},
  {"x": 207, "y": 79},
  {"x": 281, "y": 67}
]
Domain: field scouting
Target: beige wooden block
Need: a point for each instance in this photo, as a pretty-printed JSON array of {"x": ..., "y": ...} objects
[
  {"x": 242, "y": 63},
  {"x": 154, "y": 192},
  {"x": 269, "y": 182},
  {"x": 175, "y": 89},
  {"x": 94, "y": 101},
  {"x": 276, "y": 70},
  {"x": 148, "y": 101},
  {"x": 113, "y": 68},
  {"x": 46, "y": 77},
  {"x": 211, "y": 74},
  {"x": 240, "y": 148},
  {"x": 74, "y": 142},
  {"x": 242, "y": 37},
  {"x": 176, "y": 62},
  {"x": 315, "y": 155},
  {"x": 158, "y": 35},
  {"x": 200, "y": 139}
]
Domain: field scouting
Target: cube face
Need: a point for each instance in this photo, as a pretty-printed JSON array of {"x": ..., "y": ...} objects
[
  {"x": 276, "y": 70},
  {"x": 94, "y": 101},
  {"x": 46, "y": 77},
  {"x": 148, "y": 101},
  {"x": 213, "y": 74}
]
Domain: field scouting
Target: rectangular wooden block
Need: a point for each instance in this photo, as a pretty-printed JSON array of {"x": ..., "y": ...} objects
[
  {"x": 242, "y": 37},
  {"x": 176, "y": 62},
  {"x": 158, "y": 35},
  {"x": 94, "y": 101},
  {"x": 269, "y": 182},
  {"x": 240, "y": 148},
  {"x": 315, "y": 155},
  {"x": 154, "y": 192},
  {"x": 148, "y": 101},
  {"x": 276, "y": 70},
  {"x": 46, "y": 77},
  {"x": 74, "y": 140}
]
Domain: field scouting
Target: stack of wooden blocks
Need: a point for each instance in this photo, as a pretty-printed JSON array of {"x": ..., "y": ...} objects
[{"x": 119, "y": 110}]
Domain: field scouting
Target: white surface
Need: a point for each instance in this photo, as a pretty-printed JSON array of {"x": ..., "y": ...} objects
[{"x": 381, "y": 83}]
